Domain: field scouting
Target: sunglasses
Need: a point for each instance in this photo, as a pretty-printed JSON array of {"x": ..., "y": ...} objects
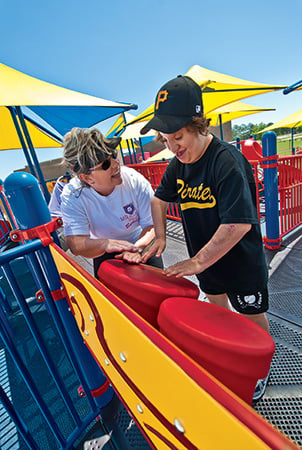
[{"x": 105, "y": 164}]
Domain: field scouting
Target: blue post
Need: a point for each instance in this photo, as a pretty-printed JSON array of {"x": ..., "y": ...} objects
[
  {"x": 22, "y": 141},
  {"x": 18, "y": 421},
  {"x": 238, "y": 146},
  {"x": 33, "y": 153},
  {"x": 142, "y": 149},
  {"x": 30, "y": 210},
  {"x": 6, "y": 305},
  {"x": 133, "y": 148},
  {"x": 269, "y": 146}
]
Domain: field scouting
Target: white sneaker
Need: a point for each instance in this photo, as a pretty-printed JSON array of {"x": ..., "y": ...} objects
[{"x": 260, "y": 388}]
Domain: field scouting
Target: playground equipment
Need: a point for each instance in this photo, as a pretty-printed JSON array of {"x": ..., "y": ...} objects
[
  {"x": 175, "y": 401},
  {"x": 232, "y": 348},
  {"x": 236, "y": 351},
  {"x": 174, "y": 396},
  {"x": 251, "y": 149},
  {"x": 154, "y": 287}
]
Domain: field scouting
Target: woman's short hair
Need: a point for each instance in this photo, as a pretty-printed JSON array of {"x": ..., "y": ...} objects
[{"x": 86, "y": 148}]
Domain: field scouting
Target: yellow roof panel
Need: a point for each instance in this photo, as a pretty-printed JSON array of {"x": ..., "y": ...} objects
[
  {"x": 9, "y": 139},
  {"x": 218, "y": 90},
  {"x": 233, "y": 111},
  {"x": 291, "y": 121},
  {"x": 19, "y": 89}
]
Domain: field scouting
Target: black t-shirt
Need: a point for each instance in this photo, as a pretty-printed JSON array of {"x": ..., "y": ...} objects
[{"x": 219, "y": 188}]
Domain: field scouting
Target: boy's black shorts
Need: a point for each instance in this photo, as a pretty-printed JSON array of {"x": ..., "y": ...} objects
[{"x": 255, "y": 302}]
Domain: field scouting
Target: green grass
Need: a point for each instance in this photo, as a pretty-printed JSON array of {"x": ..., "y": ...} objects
[{"x": 284, "y": 146}]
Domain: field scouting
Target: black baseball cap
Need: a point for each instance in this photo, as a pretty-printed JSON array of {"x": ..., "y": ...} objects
[{"x": 176, "y": 103}]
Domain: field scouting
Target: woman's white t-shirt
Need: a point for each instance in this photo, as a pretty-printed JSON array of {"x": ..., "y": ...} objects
[{"x": 121, "y": 215}]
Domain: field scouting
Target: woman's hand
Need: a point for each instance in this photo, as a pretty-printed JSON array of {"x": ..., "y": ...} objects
[
  {"x": 156, "y": 249},
  {"x": 130, "y": 257},
  {"x": 114, "y": 245}
]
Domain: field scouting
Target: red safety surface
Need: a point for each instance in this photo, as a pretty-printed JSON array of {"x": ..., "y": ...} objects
[
  {"x": 231, "y": 347},
  {"x": 143, "y": 287}
]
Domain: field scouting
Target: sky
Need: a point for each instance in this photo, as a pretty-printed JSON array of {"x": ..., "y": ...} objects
[{"x": 126, "y": 50}]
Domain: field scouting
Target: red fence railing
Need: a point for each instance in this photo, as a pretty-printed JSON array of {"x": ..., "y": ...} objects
[
  {"x": 290, "y": 192},
  {"x": 258, "y": 174},
  {"x": 154, "y": 172}
]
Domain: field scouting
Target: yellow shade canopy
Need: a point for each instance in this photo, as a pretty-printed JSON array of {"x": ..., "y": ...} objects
[
  {"x": 23, "y": 90},
  {"x": 120, "y": 123},
  {"x": 218, "y": 90},
  {"x": 164, "y": 154},
  {"x": 9, "y": 139},
  {"x": 59, "y": 107},
  {"x": 127, "y": 132},
  {"x": 292, "y": 121},
  {"x": 125, "y": 145},
  {"x": 131, "y": 132},
  {"x": 233, "y": 111}
]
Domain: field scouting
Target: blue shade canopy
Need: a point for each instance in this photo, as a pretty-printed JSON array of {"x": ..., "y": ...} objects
[
  {"x": 61, "y": 108},
  {"x": 63, "y": 118}
]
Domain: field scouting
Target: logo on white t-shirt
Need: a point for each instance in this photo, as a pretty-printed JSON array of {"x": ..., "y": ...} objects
[{"x": 129, "y": 209}]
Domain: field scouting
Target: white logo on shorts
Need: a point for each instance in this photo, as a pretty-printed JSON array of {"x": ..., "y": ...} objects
[{"x": 250, "y": 300}]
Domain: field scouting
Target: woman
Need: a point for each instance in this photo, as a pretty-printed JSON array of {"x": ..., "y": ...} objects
[{"x": 105, "y": 207}]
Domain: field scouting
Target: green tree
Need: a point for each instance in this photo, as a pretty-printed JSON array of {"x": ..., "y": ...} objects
[{"x": 244, "y": 131}]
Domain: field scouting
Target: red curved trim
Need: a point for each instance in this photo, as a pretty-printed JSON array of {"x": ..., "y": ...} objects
[
  {"x": 161, "y": 437},
  {"x": 100, "y": 390},
  {"x": 100, "y": 333}
]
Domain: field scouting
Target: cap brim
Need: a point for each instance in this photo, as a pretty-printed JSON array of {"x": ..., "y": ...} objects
[{"x": 166, "y": 124}]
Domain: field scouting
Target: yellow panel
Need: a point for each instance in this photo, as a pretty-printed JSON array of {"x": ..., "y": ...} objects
[
  {"x": 153, "y": 387},
  {"x": 118, "y": 124},
  {"x": 233, "y": 89},
  {"x": 163, "y": 155},
  {"x": 9, "y": 138},
  {"x": 20, "y": 89},
  {"x": 233, "y": 111},
  {"x": 291, "y": 121}
]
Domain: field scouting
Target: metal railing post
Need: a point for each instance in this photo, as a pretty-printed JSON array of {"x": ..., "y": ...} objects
[
  {"x": 30, "y": 210},
  {"x": 33, "y": 153},
  {"x": 238, "y": 146},
  {"x": 270, "y": 168}
]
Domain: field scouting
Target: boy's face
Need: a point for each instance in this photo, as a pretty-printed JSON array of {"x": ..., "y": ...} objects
[{"x": 186, "y": 145}]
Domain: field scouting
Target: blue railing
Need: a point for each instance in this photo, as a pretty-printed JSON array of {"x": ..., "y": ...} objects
[{"x": 28, "y": 276}]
